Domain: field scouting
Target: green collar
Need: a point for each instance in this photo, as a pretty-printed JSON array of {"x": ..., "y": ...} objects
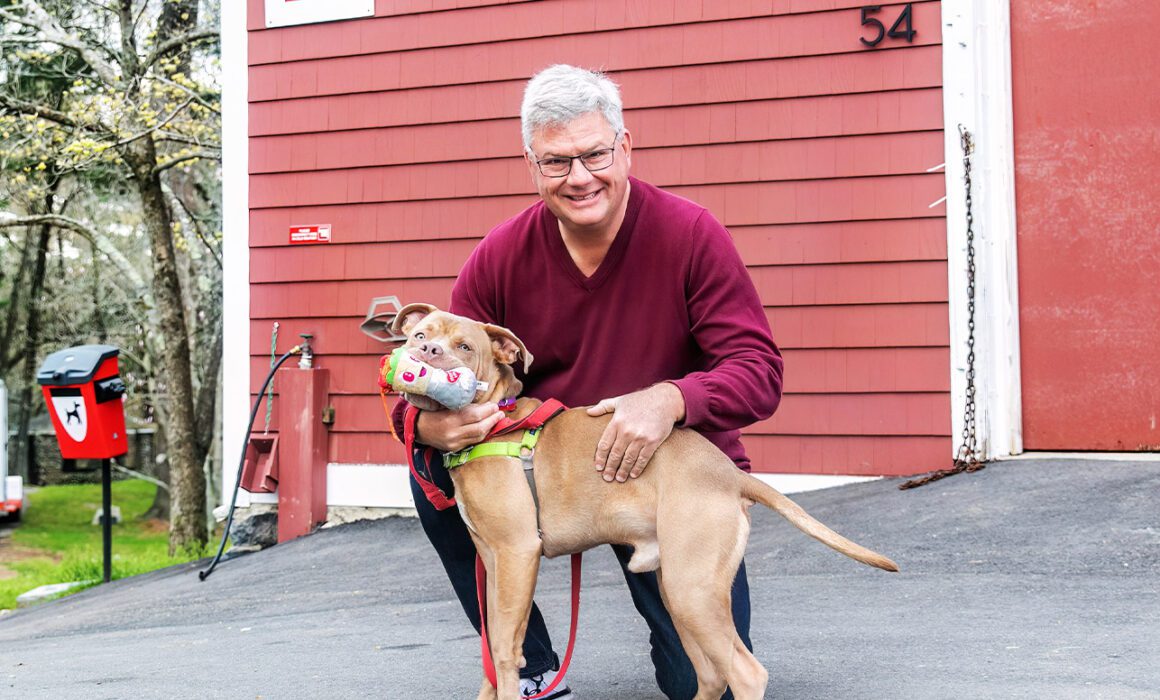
[{"x": 524, "y": 449}]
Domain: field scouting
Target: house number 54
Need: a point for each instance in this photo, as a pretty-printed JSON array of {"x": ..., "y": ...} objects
[{"x": 896, "y": 30}]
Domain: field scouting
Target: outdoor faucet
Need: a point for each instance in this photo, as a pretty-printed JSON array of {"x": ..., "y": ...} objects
[{"x": 306, "y": 360}]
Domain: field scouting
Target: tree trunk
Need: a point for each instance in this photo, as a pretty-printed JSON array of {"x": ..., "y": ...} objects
[
  {"x": 29, "y": 468},
  {"x": 160, "y": 509},
  {"x": 178, "y": 16},
  {"x": 187, "y": 525},
  {"x": 100, "y": 328},
  {"x": 8, "y": 358},
  {"x": 207, "y": 396},
  {"x": 24, "y": 466}
]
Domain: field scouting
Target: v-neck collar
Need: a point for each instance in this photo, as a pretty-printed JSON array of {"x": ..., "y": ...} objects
[{"x": 615, "y": 252}]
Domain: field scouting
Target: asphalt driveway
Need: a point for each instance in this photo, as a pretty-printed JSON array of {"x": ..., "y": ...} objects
[{"x": 1030, "y": 579}]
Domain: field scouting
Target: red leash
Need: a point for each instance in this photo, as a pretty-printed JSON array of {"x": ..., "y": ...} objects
[
  {"x": 440, "y": 500},
  {"x": 481, "y": 594}
]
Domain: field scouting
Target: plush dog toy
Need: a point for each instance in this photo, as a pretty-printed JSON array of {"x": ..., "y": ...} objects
[{"x": 403, "y": 372}]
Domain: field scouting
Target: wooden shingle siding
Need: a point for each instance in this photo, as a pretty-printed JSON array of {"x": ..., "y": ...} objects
[
  {"x": 705, "y": 44},
  {"x": 496, "y": 22},
  {"x": 891, "y": 69},
  {"x": 402, "y": 132},
  {"x": 890, "y": 112},
  {"x": 669, "y": 167}
]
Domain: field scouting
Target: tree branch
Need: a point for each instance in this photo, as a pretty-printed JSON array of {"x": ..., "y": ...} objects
[
  {"x": 179, "y": 138},
  {"x": 50, "y": 30},
  {"x": 193, "y": 95},
  {"x": 160, "y": 125},
  {"x": 143, "y": 477},
  {"x": 194, "y": 223},
  {"x": 99, "y": 240},
  {"x": 41, "y": 111},
  {"x": 177, "y": 42},
  {"x": 14, "y": 39},
  {"x": 166, "y": 165}
]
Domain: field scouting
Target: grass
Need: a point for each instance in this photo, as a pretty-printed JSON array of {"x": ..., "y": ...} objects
[{"x": 56, "y": 542}]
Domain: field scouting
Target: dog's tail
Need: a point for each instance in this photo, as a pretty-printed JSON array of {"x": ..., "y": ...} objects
[{"x": 761, "y": 492}]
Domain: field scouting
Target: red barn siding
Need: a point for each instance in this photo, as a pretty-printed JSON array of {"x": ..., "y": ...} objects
[{"x": 402, "y": 132}]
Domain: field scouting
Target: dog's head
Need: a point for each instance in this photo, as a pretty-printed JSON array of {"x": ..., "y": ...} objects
[{"x": 447, "y": 341}]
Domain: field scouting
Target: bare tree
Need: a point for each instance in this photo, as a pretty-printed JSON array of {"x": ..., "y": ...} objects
[{"x": 141, "y": 104}]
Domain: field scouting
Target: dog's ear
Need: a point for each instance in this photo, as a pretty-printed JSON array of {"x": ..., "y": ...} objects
[
  {"x": 506, "y": 346},
  {"x": 410, "y": 315}
]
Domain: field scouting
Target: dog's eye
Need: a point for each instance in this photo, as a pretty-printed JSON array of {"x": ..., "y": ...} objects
[
  {"x": 419, "y": 336},
  {"x": 465, "y": 347}
]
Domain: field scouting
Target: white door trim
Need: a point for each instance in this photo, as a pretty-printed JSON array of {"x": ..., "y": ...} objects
[
  {"x": 977, "y": 94},
  {"x": 235, "y": 243}
]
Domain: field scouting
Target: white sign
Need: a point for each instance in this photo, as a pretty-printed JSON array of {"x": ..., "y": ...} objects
[
  {"x": 71, "y": 412},
  {"x": 285, "y": 13},
  {"x": 310, "y": 234}
]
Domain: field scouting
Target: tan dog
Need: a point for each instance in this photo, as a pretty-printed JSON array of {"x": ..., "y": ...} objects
[{"x": 686, "y": 516}]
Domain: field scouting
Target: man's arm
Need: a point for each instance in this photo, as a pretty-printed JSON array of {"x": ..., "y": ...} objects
[
  {"x": 743, "y": 377},
  {"x": 742, "y": 382},
  {"x": 447, "y": 430}
]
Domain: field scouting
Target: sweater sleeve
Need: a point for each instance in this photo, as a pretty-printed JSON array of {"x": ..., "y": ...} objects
[{"x": 742, "y": 380}]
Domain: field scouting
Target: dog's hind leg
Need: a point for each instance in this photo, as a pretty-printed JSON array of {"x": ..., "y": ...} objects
[
  {"x": 708, "y": 679},
  {"x": 699, "y": 565}
]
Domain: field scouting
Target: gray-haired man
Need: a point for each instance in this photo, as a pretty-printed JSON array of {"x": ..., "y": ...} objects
[{"x": 690, "y": 344}]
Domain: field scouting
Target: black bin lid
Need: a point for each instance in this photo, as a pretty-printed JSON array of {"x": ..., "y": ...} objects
[{"x": 74, "y": 365}]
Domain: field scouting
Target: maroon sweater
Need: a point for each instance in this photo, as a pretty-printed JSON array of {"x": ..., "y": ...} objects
[{"x": 671, "y": 300}]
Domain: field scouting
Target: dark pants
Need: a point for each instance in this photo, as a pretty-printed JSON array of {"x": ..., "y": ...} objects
[{"x": 674, "y": 672}]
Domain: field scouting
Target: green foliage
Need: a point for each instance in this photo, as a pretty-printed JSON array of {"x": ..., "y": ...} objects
[{"x": 57, "y": 525}]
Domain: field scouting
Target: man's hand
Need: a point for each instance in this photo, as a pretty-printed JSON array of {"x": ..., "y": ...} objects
[
  {"x": 642, "y": 421},
  {"x": 451, "y": 431}
]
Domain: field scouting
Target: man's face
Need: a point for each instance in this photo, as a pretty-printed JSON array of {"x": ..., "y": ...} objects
[{"x": 583, "y": 201}]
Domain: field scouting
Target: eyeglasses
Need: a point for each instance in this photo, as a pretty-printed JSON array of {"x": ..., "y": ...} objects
[{"x": 561, "y": 166}]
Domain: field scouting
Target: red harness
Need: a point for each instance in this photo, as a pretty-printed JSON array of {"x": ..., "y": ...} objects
[{"x": 535, "y": 420}]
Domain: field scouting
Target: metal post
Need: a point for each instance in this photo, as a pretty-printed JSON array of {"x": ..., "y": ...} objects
[
  {"x": 302, "y": 450},
  {"x": 107, "y": 517}
]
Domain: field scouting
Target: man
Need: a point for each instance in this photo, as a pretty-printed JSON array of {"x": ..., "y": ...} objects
[{"x": 633, "y": 301}]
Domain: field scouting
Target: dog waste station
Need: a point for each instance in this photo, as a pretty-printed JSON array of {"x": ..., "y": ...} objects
[{"x": 83, "y": 389}]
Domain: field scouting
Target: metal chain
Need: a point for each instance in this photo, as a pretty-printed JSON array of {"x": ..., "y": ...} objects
[{"x": 967, "y": 458}]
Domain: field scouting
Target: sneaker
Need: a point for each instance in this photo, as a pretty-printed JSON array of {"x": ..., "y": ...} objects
[{"x": 536, "y": 684}]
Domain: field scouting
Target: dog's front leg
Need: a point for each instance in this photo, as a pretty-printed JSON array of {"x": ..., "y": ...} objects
[
  {"x": 486, "y": 691},
  {"x": 511, "y": 583}
]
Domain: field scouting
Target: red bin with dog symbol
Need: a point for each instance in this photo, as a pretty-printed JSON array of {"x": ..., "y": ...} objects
[{"x": 83, "y": 388}]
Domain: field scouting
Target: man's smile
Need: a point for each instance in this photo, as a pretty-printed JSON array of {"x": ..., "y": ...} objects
[{"x": 581, "y": 198}]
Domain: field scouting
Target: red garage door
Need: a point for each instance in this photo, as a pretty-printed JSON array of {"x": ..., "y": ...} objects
[{"x": 1087, "y": 150}]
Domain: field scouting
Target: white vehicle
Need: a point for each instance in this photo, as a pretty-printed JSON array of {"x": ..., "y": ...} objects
[{"x": 11, "y": 487}]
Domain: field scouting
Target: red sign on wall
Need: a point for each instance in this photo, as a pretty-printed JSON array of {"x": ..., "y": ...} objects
[{"x": 309, "y": 234}]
